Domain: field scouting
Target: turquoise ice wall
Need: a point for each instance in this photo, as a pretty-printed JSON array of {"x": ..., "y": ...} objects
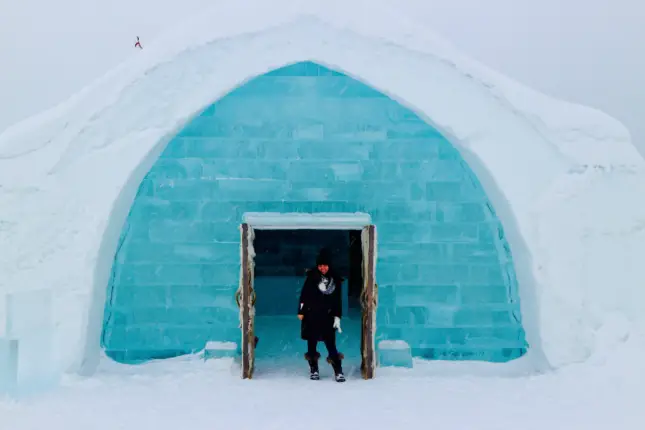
[{"x": 307, "y": 139}]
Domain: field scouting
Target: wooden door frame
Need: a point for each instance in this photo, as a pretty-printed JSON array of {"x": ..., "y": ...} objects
[
  {"x": 315, "y": 221},
  {"x": 246, "y": 304},
  {"x": 369, "y": 301}
]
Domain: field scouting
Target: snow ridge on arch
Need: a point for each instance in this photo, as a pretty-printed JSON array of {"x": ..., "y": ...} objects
[
  {"x": 114, "y": 129},
  {"x": 562, "y": 122}
]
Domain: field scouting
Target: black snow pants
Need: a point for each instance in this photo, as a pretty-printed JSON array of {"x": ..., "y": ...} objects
[{"x": 330, "y": 343}]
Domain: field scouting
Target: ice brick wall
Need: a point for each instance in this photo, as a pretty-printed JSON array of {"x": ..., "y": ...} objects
[{"x": 307, "y": 139}]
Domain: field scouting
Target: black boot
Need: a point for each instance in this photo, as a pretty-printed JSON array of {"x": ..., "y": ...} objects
[
  {"x": 313, "y": 366},
  {"x": 337, "y": 365}
]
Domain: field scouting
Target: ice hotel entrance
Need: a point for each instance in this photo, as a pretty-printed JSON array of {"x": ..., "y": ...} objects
[
  {"x": 305, "y": 139},
  {"x": 276, "y": 251}
]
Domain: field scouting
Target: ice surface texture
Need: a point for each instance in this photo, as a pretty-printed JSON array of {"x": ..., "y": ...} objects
[
  {"x": 396, "y": 353},
  {"x": 27, "y": 364},
  {"x": 307, "y": 139}
]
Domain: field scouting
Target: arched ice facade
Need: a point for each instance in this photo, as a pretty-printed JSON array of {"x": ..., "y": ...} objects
[
  {"x": 307, "y": 139},
  {"x": 564, "y": 180}
]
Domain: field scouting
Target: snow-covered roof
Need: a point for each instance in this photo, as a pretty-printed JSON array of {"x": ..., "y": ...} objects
[
  {"x": 68, "y": 175},
  {"x": 301, "y": 31}
]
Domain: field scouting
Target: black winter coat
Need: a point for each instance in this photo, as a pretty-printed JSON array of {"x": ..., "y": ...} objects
[{"x": 320, "y": 301}]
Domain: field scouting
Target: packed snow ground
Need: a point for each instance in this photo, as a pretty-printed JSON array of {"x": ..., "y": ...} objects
[{"x": 604, "y": 393}]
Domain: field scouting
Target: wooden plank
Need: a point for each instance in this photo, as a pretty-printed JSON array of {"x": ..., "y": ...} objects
[
  {"x": 369, "y": 307},
  {"x": 370, "y": 298},
  {"x": 244, "y": 305},
  {"x": 252, "y": 339}
]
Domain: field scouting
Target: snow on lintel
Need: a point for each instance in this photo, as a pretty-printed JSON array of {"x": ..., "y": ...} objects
[{"x": 302, "y": 221}]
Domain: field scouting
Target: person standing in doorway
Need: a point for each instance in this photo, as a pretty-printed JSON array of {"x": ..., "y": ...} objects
[{"x": 320, "y": 311}]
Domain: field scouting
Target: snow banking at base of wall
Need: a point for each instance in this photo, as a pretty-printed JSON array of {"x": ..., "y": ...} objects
[{"x": 114, "y": 131}]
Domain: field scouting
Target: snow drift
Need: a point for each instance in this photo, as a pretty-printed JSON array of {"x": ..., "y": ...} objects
[{"x": 565, "y": 180}]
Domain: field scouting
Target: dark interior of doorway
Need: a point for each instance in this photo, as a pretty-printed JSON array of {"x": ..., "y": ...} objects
[{"x": 282, "y": 258}]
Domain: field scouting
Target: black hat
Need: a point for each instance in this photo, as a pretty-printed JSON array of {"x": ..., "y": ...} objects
[{"x": 324, "y": 257}]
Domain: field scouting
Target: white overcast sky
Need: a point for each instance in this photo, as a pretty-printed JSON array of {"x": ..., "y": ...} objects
[{"x": 586, "y": 51}]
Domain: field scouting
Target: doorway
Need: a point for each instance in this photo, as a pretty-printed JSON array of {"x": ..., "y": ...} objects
[{"x": 275, "y": 257}]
